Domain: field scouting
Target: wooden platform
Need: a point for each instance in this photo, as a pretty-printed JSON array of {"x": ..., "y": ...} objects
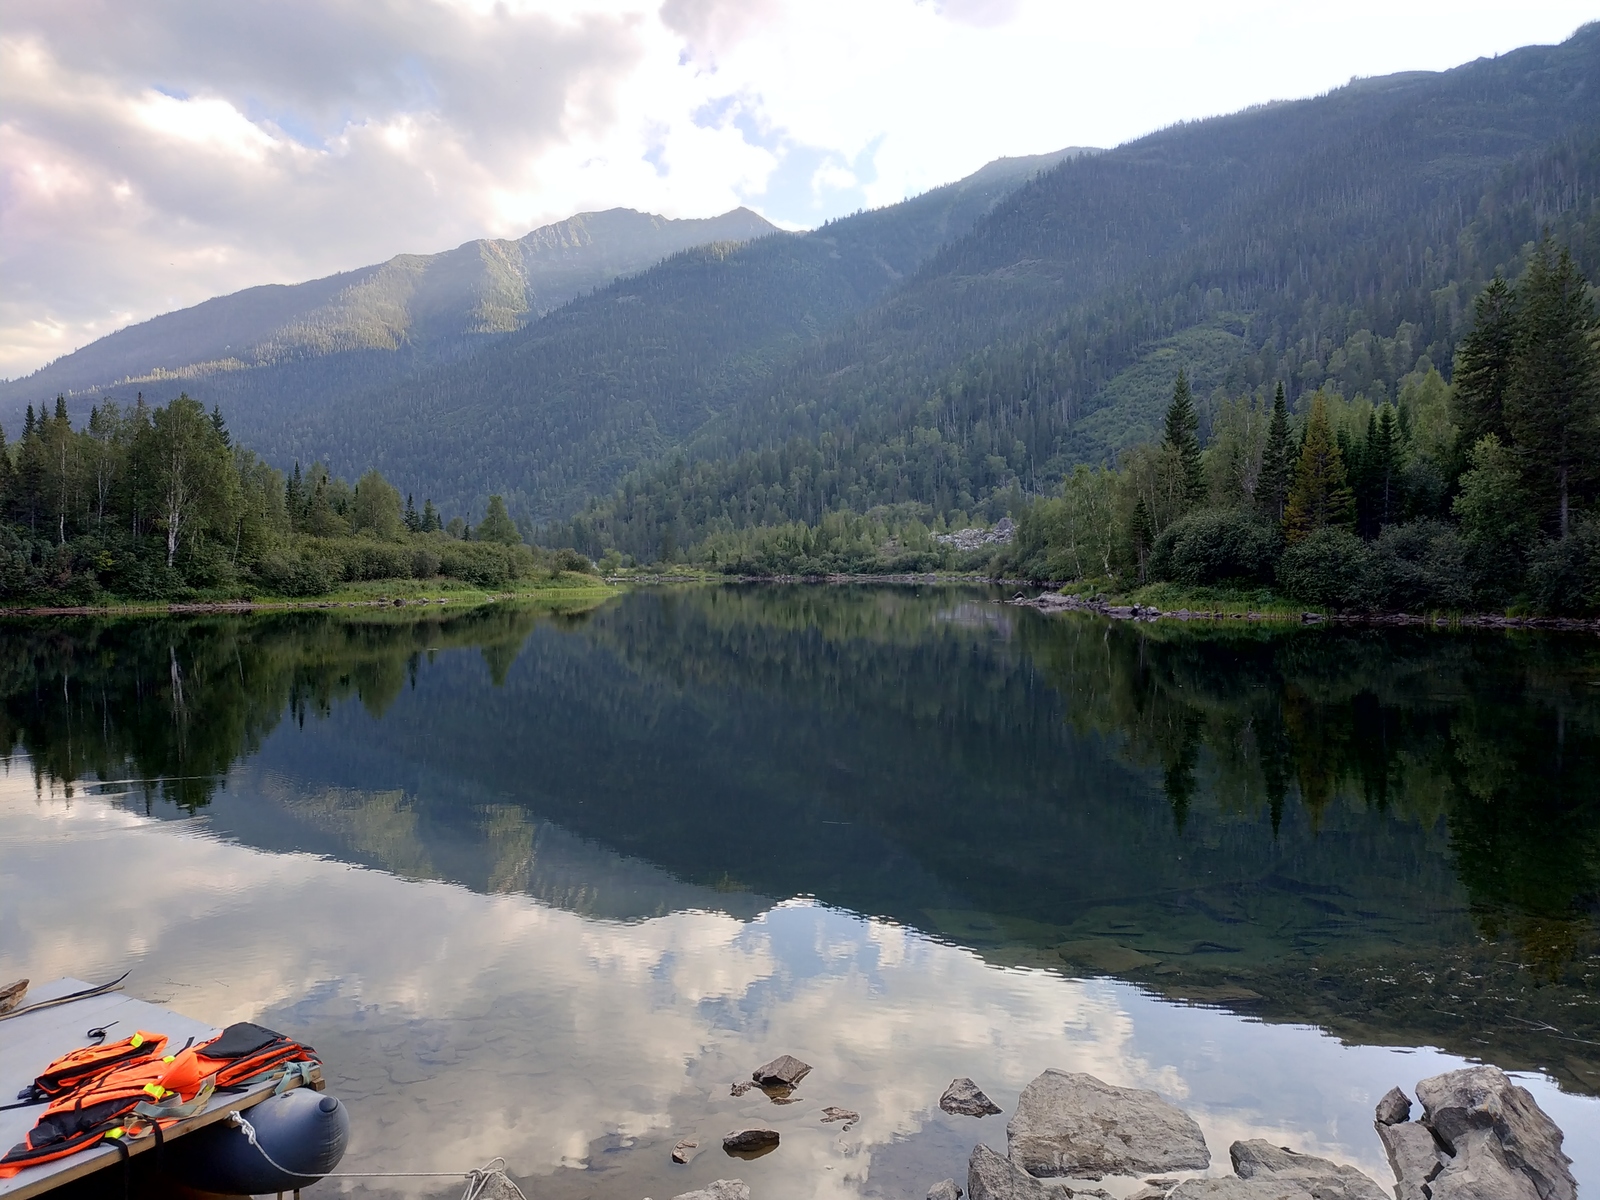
[{"x": 28, "y": 1043}]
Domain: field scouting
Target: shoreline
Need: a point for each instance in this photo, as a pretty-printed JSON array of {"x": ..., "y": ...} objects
[{"x": 180, "y": 608}]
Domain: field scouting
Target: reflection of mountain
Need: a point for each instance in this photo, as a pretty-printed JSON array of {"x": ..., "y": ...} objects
[{"x": 1367, "y": 830}]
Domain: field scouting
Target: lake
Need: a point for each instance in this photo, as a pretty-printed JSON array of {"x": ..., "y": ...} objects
[{"x": 545, "y": 884}]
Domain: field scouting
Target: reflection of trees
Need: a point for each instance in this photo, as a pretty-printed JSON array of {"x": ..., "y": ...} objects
[{"x": 172, "y": 703}]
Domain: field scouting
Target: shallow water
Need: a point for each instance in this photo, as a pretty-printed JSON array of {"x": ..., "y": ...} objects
[{"x": 544, "y": 886}]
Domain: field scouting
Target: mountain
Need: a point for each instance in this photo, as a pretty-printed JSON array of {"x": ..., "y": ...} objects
[{"x": 427, "y": 303}]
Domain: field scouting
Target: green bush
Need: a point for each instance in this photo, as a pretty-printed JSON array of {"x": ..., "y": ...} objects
[
  {"x": 1418, "y": 566},
  {"x": 1216, "y": 545},
  {"x": 484, "y": 564},
  {"x": 570, "y": 560},
  {"x": 1330, "y": 567},
  {"x": 1564, "y": 573},
  {"x": 295, "y": 573},
  {"x": 424, "y": 563}
]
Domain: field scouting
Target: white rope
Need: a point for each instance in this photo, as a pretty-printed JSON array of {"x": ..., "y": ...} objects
[{"x": 477, "y": 1179}]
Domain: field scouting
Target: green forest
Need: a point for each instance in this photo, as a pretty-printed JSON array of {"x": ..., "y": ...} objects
[{"x": 157, "y": 503}]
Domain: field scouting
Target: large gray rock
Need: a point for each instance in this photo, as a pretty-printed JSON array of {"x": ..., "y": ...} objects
[
  {"x": 1078, "y": 1126},
  {"x": 1459, "y": 1105},
  {"x": 945, "y": 1189},
  {"x": 1414, "y": 1155},
  {"x": 1393, "y": 1108},
  {"x": 1325, "y": 1180},
  {"x": 966, "y": 1099},
  {"x": 992, "y": 1176},
  {"x": 750, "y": 1141},
  {"x": 722, "y": 1189},
  {"x": 1480, "y": 1170},
  {"x": 785, "y": 1071},
  {"x": 1231, "y": 1187}
]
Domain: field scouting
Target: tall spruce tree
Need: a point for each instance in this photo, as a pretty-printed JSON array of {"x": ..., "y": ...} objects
[
  {"x": 1320, "y": 497},
  {"x": 1483, "y": 365},
  {"x": 1377, "y": 493},
  {"x": 1552, "y": 397},
  {"x": 1183, "y": 436},
  {"x": 1273, "y": 486}
]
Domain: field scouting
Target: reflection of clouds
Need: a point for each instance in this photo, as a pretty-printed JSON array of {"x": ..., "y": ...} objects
[{"x": 459, "y": 1026}]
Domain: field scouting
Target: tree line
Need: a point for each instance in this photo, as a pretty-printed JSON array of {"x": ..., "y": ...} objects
[{"x": 157, "y": 502}]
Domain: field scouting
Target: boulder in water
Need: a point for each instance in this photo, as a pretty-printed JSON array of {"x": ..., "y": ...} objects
[
  {"x": 1491, "y": 1127},
  {"x": 992, "y": 1176},
  {"x": 1078, "y": 1126},
  {"x": 1260, "y": 1159},
  {"x": 945, "y": 1189},
  {"x": 1393, "y": 1108},
  {"x": 963, "y": 1098},
  {"x": 1414, "y": 1156},
  {"x": 785, "y": 1071},
  {"x": 750, "y": 1141},
  {"x": 722, "y": 1189}
]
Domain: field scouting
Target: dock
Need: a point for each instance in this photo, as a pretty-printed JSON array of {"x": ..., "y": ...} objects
[{"x": 32, "y": 1040}]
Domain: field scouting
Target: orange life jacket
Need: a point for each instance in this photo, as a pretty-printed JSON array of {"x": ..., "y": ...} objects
[
  {"x": 72, "y": 1071},
  {"x": 237, "y": 1055},
  {"x": 102, "y": 1106}
]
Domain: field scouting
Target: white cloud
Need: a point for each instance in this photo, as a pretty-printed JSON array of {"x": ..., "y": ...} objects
[{"x": 153, "y": 155}]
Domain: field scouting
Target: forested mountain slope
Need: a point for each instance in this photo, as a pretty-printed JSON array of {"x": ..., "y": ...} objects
[
  {"x": 1334, "y": 240},
  {"x": 416, "y": 302},
  {"x": 560, "y": 411}
]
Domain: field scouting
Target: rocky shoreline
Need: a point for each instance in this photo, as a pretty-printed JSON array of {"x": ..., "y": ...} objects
[
  {"x": 1480, "y": 1137},
  {"x": 1054, "y": 602}
]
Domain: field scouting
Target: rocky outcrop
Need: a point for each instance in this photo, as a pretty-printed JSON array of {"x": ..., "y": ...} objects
[
  {"x": 1324, "y": 1180},
  {"x": 785, "y": 1071},
  {"x": 945, "y": 1189},
  {"x": 1078, "y": 1126},
  {"x": 750, "y": 1141},
  {"x": 963, "y": 1098},
  {"x": 1413, "y": 1155},
  {"x": 722, "y": 1189},
  {"x": 993, "y": 1176}
]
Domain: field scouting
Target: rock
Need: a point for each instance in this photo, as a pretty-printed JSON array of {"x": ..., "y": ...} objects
[
  {"x": 1260, "y": 1159},
  {"x": 685, "y": 1150},
  {"x": 740, "y": 1088},
  {"x": 1149, "y": 1193},
  {"x": 992, "y": 1176},
  {"x": 1100, "y": 955},
  {"x": 831, "y": 1114},
  {"x": 1480, "y": 1170},
  {"x": 11, "y": 995},
  {"x": 722, "y": 1189},
  {"x": 750, "y": 1141},
  {"x": 1414, "y": 1156},
  {"x": 1481, "y": 1100},
  {"x": 1393, "y": 1108},
  {"x": 1076, "y": 1125},
  {"x": 963, "y": 1098},
  {"x": 784, "y": 1071},
  {"x": 945, "y": 1189},
  {"x": 1231, "y": 1187}
]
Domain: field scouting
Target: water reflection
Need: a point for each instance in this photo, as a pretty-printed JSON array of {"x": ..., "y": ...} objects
[{"x": 1392, "y": 836}]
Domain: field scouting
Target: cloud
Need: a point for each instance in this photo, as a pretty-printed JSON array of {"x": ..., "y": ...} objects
[{"x": 153, "y": 155}]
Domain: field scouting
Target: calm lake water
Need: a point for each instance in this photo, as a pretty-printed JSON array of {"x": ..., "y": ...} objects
[{"x": 544, "y": 885}]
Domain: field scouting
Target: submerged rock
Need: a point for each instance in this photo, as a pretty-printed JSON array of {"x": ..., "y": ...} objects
[
  {"x": 945, "y": 1189},
  {"x": 740, "y": 1088},
  {"x": 750, "y": 1141},
  {"x": 1325, "y": 1180},
  {"x": 966, "y": 1099},
  {"x": 685, "y": 1150},
  {"x": 1078, "y": 1126},
  {"x": 1489, "y": 1126},
  {"x": 1393, "y": 1108},
  {"x": 831, "y": 1114},
  {"x": 722, "y": 1189},
  {"x": 785, "y": 1071},
  {"x": 1414, "y": 1156},
  {"x": 993, "y": 1176}
]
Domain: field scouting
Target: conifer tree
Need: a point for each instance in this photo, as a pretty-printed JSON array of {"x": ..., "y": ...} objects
[
  {"x": 1183, "y": 436},
  {"x": 430, "y": 517},
  {"x": 1553, "y": 393},
  {"x": 1377, "y": 500},
  {"x": 1273, "y": 486},
  {"x": 1320, "y": 497},
  {"x": 497, "y": 525},
  {"x": 294, "y": 499},
  {"x": 1483, "y": 365},
  {"x": 412, "y": 521}
]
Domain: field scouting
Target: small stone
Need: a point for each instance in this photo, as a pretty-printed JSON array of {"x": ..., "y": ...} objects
[
  {"x": 945, "y": 1189},
  {"x": 784, "y": 1071},
  {"x": 750, "y": 1141},
  {"x": 685, "y": 1151},
  {"x": 992, "y": 1176},
  {"x": 963, "y": 1098},
  {"x": 1081, "y": 1127},
  {"x": 722, "y": 1189},
  {"x": 1393, "y": 1108},
  {"x": 740, "y": 1088},
  {"x": 831, "y": 1114}
]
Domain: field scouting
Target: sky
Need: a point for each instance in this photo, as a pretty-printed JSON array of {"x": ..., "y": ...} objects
[{"x": 156, "y": 153}]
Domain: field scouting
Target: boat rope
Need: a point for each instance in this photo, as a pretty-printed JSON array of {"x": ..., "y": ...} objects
[
  {"x": 86, "y": 993},
  {"x": 478, "y": 1179}
]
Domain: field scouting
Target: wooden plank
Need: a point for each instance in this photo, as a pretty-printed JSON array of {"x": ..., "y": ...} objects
[{"x": 31, "y": 1041}]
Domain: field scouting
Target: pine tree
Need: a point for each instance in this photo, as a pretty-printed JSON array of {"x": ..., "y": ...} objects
[
  {"x": 1142, "y": 535},
  {"x": 497, "y": 525},
  {"x": 1273, "y": 486},
  {"x": 1553, "y": 393},
  {"x": 1375, "y": 469},
  {"x": 220, "y": 426},
  {"x": 1183, "y": 436},
  {"x": 430, "y": 517},
  {"x": 1483, "y": 365},
  {"x": 413, "y": 522},
  {"x": 294, "y": 500},
  {"x": 1320, "y": 497}
]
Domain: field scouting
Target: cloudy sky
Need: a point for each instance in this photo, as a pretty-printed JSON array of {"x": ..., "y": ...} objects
[{"x": 157, "y": 152}]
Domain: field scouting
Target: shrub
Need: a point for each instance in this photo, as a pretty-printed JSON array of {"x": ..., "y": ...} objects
[
  {"x": 1329, "y": 567},
  {"x": 424, "y": 564},
  {"x": 567, "y": 559},
  {"x": 1418, "y": 566},
  {"x": 484, "y": 564},
  {"x": 289, "y": 573},
  {"x": 1216, "y": 545},
  {"x": 1564, "y": 573}
]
